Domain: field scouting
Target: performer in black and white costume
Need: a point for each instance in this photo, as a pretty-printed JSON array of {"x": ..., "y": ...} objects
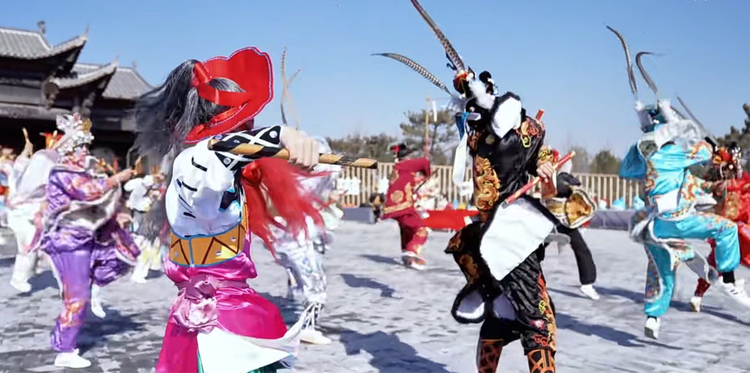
[{"x": 500, "y": 253}]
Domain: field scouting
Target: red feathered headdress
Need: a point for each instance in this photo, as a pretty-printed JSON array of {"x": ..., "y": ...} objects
[
  {"x": 251, "y": 69},
  {"x": 721, "y": 156},
  {"x": 50, "y": 139}
]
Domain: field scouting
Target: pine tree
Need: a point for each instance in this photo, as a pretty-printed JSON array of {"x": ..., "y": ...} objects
[
  {"x": 605, "y": 162},
  {"x": 443, "y": 134},
  {"x": 357, "y": 145}
]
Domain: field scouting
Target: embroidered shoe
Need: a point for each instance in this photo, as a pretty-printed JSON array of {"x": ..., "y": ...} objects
[
  {"x": 71, "y": 360},
  {"x": 589, "y": 291},
  {"x": 695, "y": 304},
  {"x": 652, "y": 328}
]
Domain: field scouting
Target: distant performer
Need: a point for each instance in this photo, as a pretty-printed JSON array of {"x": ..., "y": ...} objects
[{"x": 408, "y": 172}]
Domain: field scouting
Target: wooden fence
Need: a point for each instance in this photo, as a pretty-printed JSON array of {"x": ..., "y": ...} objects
[{"x": 603, "y": 186}]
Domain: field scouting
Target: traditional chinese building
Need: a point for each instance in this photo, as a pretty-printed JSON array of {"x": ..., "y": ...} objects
[{"x": 38, "y": 81}]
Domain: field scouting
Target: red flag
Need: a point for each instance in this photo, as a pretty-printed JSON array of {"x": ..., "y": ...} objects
[{"x": 449, "y": 219}]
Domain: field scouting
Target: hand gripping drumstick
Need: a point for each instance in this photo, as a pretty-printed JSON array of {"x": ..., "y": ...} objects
[
  {"x": 524, "y": 189},
  {"x": 260, "y": 151}
]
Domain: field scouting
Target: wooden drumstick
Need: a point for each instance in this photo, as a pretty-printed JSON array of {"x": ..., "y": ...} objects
[{"x": 260, "y": 151}]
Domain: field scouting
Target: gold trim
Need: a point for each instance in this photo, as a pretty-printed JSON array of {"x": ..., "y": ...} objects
[
  {"x": 545, "y": 155},
  {"x": 211, "y": 250},
  {"x": 407, "y": 203}
]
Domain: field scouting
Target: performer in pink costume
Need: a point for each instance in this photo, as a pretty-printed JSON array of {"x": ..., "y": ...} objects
[{"x": 219, "y": 324}]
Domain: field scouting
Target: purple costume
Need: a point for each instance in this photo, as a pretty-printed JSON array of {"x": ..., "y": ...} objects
[{"x": 84, "y": 242}]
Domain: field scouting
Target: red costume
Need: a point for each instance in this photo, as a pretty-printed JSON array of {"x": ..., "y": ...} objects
[
  {"x": 734, "y": 205},
  {"x": 399, "y": 205}
]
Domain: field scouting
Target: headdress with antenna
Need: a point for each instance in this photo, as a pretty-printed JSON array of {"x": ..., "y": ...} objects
[
  {"x": 652, "y": 116},
  {"x": 418, "y": 68},
  {"x": 462, "y": 75},
  {"x": 455, "y": 62}
]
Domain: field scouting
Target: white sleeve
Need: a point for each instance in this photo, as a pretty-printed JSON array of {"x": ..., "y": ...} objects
[
  {"x": 148, "y": 181},
  {"x": 200, "y": 180},
  {"x": 132, "y": 184},
  {"x": 507, "y": 116}
]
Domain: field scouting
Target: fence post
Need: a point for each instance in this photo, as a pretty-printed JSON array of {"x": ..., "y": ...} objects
[{"x": 602, "y": 186}]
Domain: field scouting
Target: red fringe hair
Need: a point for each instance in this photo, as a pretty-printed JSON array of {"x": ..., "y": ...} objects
[{"x": 278, "y": 180}]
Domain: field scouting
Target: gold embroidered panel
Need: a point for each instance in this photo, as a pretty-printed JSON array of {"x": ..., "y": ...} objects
[{"x": 206, "y": 251}]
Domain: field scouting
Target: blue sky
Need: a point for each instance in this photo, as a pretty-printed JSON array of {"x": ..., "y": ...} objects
[{"x": 556, "y": 54}]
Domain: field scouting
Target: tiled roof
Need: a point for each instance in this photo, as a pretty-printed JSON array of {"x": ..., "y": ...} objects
[
  {"x": 25, "y": 44},
  {"x": 80, "y": 78},
  {"x": 126, "y": 84}
]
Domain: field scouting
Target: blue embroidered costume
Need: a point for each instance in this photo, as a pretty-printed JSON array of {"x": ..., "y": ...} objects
[{"x": 661, "y": 159}]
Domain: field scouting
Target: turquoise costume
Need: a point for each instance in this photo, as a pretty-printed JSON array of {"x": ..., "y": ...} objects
[
  {"x": 670, "y": 213},
  {"x": 661, "y": 159}
]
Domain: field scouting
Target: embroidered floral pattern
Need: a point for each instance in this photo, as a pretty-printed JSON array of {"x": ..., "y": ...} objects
[
  {"x": 545, "y": 155},
  {"x": 653, "y": 279},
  {"x": 473, "y": 140},
  {"x": 730, "y": 206},
  {"x": 469, "y": 268},
  {"x": 71, "y": 313},
  {"x": 406, "y": 200},
  {"x": 486, "y": 184},
  {"x": 546, "y": 309},
  {"x": 455, "y": 244},
  {"x": 528, "y": 129},
  {"x": 397, "y": 196},
  {"x": 651, "y": 175}
]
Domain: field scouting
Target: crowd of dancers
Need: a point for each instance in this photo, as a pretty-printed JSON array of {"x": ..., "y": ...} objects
[{"x": 193, "y": 216}]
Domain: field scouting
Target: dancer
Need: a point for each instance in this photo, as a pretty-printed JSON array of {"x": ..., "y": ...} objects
[
  {"x": 569, "y": 222},
  {"x": 408, "y": 172},
  {"x": 500, "y": 253},
  {"x": 7, "y": 159},
  {"x": 661, "y": 159},
  {"x": 734, "y": 202},
  {"x": 144, "y": 191},
  {"x": 218, "y": 323},
  {"x": 302, "y": 255},
  {"x": 81, "y": 236},
  {"x": 26, "y": 201}
]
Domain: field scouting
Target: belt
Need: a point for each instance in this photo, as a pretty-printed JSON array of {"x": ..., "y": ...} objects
[{"x": 195, "y": 306}]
